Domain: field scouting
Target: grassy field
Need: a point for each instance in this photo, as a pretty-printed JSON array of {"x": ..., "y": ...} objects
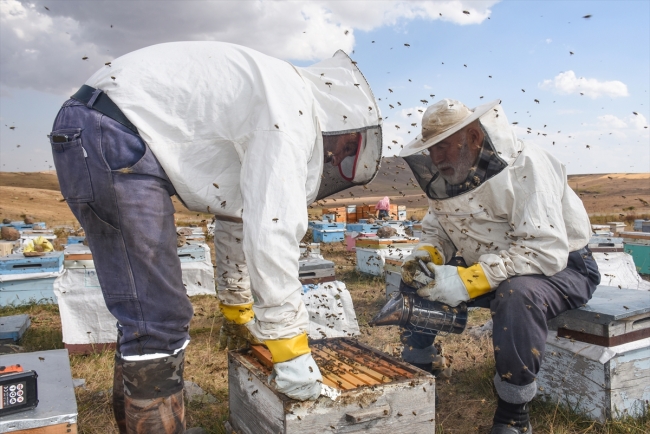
[{"x": 467, "y": 399}]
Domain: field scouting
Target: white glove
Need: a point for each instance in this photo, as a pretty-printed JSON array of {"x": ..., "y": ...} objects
[
  {"x": 298, "y": 378},
  {"x": 412, "y": 274},
  {"x": 447, "y": 286}
]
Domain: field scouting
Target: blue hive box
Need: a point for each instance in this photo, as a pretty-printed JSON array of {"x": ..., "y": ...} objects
[
  {"x": 329, "y": 235},
  {"x": 362, "y": 227},
  {"x": 14, "y": 326},
  {"x": 75, "y": 240},
  {"x": 192, "y": 253},
  {"x": 21, "y": 226},
  {"x": 17, "y": 263},
  {"x": 19, "y": 292},
  {"x": 327, "y": 225}
]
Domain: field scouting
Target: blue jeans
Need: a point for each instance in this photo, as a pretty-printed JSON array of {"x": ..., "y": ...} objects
[{"x": 120, "y": 194}]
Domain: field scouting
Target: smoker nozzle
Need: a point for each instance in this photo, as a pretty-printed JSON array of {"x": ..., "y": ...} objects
[{"x": 419, "y": 315}]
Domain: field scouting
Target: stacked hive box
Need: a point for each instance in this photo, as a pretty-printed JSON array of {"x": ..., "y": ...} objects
[
  {"x": 197, "y": 269},
  {"x": 393, "y": 275},
  {"x": 598, "y": 358},
  {"x": 326, "y": 232},
  {"x": 27, "y": 279},
  {"x": 376, "y": 394},
  {"x": 372, "y": 252},
  {"x": 338, "y": 215},
  {"x": 86, "y": 323}
]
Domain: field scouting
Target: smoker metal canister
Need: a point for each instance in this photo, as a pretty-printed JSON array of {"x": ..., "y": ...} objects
[{"x": 422, "y": 316}]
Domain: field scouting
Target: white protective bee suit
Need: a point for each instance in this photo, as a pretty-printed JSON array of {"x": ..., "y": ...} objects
[
  {"x": 521, "y": 231},
  {"x": 239, "y": 134},
  {"x": 511, "y": 224}
]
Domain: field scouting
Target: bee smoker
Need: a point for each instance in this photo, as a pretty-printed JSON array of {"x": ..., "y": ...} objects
[{"x": 412, "y": 312}]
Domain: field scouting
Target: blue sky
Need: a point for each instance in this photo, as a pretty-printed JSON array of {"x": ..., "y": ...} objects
[{"x": 521, "y": 44}]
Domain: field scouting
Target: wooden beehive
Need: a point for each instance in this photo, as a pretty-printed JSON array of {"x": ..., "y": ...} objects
[
  {"x": 598, "y": 360},
  {"x": 378, "y": 393}
]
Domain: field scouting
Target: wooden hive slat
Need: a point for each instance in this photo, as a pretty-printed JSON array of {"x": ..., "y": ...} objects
[
  {"x": 374, "y": 375},
  {"x": 357, "y": 379}
]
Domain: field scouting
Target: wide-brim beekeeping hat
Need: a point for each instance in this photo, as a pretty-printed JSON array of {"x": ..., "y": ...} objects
[{"x": 443, "y": 119}]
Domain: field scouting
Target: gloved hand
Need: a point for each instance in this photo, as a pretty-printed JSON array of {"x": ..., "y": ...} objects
[
  {"x": 234, "y": 333},
  {"x": 453, "y": 285},
  {"x": 233, "y": 336},
  {"x": 298, "y": 378},
  {"x": 412, "y": 274},
  {"x": 294, "y": 370}
]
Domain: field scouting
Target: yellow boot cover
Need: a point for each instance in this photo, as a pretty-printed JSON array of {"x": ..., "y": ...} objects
[
  {"x": 436, "y": 257},
  {"x": 287, "y": 349},
  {"x": 475, "y": 281},
  {"x": 40, "y": 244},
  {"x": 239, "y": 314}
]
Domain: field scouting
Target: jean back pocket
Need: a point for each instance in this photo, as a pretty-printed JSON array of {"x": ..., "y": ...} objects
[{"x": 71, "y": 167}]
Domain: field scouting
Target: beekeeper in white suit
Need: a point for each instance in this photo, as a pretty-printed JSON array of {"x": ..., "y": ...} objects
[
  {"x": 233, "y": 132},
  {"x": 520, "y": 232}
]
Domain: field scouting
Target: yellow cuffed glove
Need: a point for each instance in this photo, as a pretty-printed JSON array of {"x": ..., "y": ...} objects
[
  {"x": 287, "y": 349},
  {"x": 234, "y": 333},
  {"x": 412, "y": 274},
  {"x": 40, "y": 244},
  {"x": 295, "y": 372},
  {"x": 453, "y": 285}
]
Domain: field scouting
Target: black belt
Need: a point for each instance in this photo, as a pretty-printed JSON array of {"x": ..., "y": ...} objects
[{"x": 96, "y": 99}]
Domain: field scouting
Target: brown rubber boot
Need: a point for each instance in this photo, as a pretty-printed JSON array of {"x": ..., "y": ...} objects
[
  {"x": 118, "y": 395},
  {"x": 153, "y": 395}
]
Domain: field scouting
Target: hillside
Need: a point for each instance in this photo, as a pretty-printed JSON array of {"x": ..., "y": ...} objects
[{"x": 37, "y": 194}]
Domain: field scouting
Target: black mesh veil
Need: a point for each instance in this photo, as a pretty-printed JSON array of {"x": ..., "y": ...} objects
[
  {"x": 489, "y": 164},
  {"x": 367, "y": 164}
]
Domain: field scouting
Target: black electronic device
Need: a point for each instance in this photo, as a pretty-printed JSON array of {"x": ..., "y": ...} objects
[{"x": 18, "y": 389}]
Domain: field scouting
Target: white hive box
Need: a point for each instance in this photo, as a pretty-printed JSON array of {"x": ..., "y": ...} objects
[
  {"x": 393, "y": 275},
  {"x": 372, "y": 252},
  {"x": 378, "y": 394},
  {"x": 598, "y": 360},
  {"x": 197, "y": 269},
  {"x": 86, "y": 323},
  {"x": 315, "y": 270}
]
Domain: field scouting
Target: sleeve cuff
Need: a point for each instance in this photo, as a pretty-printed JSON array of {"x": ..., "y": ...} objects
[
  {"x": 474, "y": 280},
  {"x": 283, "y": 350},
  {"x": 239, "y": 314}
]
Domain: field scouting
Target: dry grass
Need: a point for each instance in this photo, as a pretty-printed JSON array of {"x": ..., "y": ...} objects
[{"x": 467, "y": 400}]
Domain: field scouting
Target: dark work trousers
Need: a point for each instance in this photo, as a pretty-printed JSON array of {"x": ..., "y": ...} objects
[
  {"x": 520, "y": 307},
  {"x": 120, "y": 194}
]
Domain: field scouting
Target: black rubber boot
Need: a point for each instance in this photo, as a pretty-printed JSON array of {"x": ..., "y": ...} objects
[
  {"x": 118, "y": 394},
  {"x": 153, "y": 395},
  {"x": 511, "y": 419}
]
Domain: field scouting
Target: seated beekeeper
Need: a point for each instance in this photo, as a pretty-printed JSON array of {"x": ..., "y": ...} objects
[
  {"x": 504, "y": 209},
  {"x": 249, "y": 138}
]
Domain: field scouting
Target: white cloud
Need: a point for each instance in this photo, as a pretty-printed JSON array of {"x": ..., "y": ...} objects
[
  {"x": 42, "y": 49},
  {"x": 611, "y": 121},
  {"x": 549, "y": 40},
  {"x": 567, "y": 83},
  {"x": 638, "y": 121}
]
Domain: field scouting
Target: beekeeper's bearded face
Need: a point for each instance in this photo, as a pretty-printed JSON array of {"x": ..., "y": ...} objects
[
  {"x": 455, "y": 156},
  {"x": 339, "y": 147}
]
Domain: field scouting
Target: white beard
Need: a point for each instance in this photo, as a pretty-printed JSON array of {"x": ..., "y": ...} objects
[{"x": 462, "y": 168}]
